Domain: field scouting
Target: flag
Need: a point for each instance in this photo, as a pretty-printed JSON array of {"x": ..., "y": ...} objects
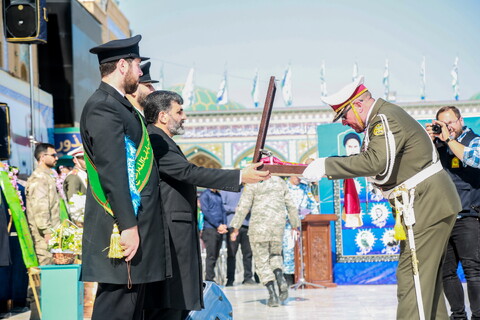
[
  {"x": 188, "y": 90},
  {"x": 160, "y": 84},
  {"x": 287, "y": 87},
  {"x": 255, "y": 90},
  {"x": 222, "y": 94},
  {"x": 323, "y": 83},
  {"x": 454, "y": 74},
  {"x": 423, "y": 79},
  {"x": 351, "y": 205},
  {"x": 355, "y": 72},
  {"x": 386, "y": 80}
]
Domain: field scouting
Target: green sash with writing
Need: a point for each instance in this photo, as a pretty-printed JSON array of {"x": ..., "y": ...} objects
[{"x": 143, "y": 169}]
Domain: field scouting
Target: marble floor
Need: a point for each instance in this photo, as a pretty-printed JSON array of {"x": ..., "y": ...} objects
[
  {"x": 359, "y": 302},
  {"x": 342, "y": 302}
]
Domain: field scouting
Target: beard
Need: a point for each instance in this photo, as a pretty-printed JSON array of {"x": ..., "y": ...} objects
[
  {"x": 130, "y": 84},
  {"x": 141, "y": 97},
  {"x": 176, "y": 128}
]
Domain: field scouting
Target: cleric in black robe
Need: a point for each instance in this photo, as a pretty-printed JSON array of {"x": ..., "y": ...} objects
[{"x": 178, "y": 181}]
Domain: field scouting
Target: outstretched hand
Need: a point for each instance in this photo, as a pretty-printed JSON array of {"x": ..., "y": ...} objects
[{"x": 251, "y": 175}]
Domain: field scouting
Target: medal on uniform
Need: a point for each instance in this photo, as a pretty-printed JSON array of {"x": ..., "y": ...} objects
[{"x": 455, "y": 163}]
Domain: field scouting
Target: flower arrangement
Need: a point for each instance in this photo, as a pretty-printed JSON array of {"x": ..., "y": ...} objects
[
  {"x": 76, "y": 208},
  {"x": 65, "y": 242}
]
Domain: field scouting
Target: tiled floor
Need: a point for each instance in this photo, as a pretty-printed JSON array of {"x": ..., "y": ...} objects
[{"x": 340, "y": 303}]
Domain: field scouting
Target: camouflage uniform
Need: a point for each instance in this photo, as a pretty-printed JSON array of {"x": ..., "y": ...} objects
[
  {"x": 267, "y": 201},
  {"x": 42, "y": 210}
]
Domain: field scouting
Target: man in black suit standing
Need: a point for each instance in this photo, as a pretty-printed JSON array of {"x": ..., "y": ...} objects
[
  {"x": 124, "y": 240},
  {"x": 174, "y": 298}
]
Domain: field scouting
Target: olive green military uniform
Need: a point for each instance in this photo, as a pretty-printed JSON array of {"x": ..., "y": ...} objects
[
  {"x": 268, "y": 201},
  {"x": 75, "y": 183},
  {"x": 436, "y": 201},
  {"x": 42, "y": 210}
]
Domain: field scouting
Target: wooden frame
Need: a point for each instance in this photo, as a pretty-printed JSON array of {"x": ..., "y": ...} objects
[{"x": 275, "y": 169}]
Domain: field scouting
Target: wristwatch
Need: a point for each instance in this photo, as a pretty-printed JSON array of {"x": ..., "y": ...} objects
[{"x": 448, "y": 140}]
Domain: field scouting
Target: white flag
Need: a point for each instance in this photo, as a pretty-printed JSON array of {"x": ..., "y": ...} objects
[
  {"x": 160, "y": 84},
  {"x": 222, "y": 94},
  {"x": 255, "y": 90},
  {"x": 355, "y": 72},
  {"x": 188, "y": 90},
  {"x": 287, "y": 87},
  {"x": 386, "y": 80},
  {"x": 454, "y": 74},
  {"x": 423, "y": 78},
  {"x": 323, "y": 83}
]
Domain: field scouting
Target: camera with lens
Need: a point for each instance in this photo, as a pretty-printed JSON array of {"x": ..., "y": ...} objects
[{"x": 436, "y": 128}]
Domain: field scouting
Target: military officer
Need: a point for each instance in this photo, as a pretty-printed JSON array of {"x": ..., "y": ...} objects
[
  {"x": 269, "y": 202},
  {"x": 400, "y": 159},
  {"x": 76, "y": 180}
]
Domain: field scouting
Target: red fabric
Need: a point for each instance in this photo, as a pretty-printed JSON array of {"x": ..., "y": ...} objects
[
  {"x": 275, "y": 160},
  {"x": 351, "y": 202}
]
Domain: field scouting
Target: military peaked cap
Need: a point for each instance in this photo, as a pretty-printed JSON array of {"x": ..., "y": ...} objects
[
  {"x": 145, "y": 78},
  {"x": 119, "y": 49}
]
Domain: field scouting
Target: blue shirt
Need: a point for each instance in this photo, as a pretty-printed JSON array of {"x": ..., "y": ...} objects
[
  {"x": 230, "y": 202},
  {"x": 212, "y": 208},
  {"x": 471, "y": 154}
]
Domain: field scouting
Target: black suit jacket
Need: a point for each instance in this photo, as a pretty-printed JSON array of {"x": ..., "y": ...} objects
[
  {"x": 178, "y": 181},
  {"x": 106, "y": 119}
]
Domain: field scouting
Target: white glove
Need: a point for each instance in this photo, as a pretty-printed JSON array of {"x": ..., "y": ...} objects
[{"x": 315, "y": 170}]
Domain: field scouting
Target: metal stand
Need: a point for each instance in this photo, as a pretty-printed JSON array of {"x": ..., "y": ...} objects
[
  {"x": 32, "y": 107},
  {"x": 301, "y": 279}
]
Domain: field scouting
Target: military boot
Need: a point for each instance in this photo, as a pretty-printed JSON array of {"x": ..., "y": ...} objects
[
  {"x": 282, "y": 284},
  {"x": 272, "y": 299}
]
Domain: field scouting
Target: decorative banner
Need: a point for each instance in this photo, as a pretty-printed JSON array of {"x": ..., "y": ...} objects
[
  {"x": 19, "y": 219},
  {"x": 362, "y": 244},
  {"x": 67, "y": 139}
]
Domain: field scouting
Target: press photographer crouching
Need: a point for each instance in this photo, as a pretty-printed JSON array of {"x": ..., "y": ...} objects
[{"x": 459, "y": 150}]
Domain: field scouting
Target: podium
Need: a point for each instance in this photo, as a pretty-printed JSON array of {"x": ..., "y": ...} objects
[
  {"x": 317, "y": 253},
  {"x": 61, "y": 292}
]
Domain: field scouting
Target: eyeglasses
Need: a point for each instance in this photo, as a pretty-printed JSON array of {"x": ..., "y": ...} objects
[
  {"x": 51, "y": 154},
  {"x": 448, "y": 124}
]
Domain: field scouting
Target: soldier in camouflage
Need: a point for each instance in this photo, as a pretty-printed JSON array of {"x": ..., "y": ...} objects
[
  {"x": 43, "y": 201},
  {"x": 268, "y": 201}
]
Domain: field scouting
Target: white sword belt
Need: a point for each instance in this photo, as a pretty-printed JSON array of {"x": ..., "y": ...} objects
[{"x": 413, "y": 181}]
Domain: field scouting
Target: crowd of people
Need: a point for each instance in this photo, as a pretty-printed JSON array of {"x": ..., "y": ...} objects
[{"x": 142, "y": 241}]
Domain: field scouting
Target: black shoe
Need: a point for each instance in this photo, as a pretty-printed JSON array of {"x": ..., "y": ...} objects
[
  {"x": 249, "y": 281},
  {"x": 229, "y": 284},
  {"x": 290, "y": 279},
  {"x": 273, "y": 298},
  {"x": 282, "y": 284}
]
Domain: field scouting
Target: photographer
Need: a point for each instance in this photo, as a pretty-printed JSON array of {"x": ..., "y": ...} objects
[{"x": 459, "y": 150}]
